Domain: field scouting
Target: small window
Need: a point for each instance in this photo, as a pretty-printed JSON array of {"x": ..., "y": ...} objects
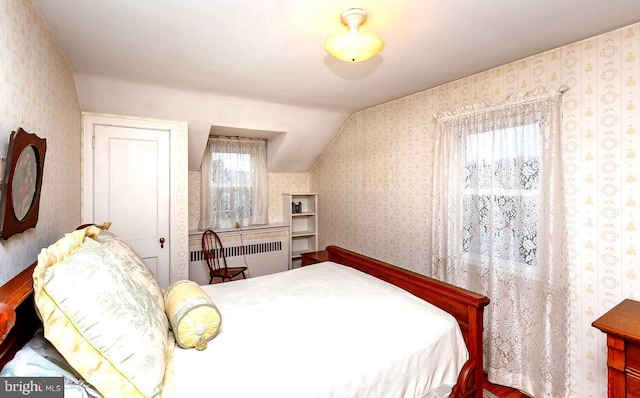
[
  {"x": 234, "y": 183},
  {"x": 231, "y": 178}
]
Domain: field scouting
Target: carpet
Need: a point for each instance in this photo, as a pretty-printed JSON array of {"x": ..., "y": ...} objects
[{"x": 487, "y": 394}]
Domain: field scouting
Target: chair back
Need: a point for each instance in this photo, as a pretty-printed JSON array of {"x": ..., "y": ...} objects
[{"x": 213, "y": 251}]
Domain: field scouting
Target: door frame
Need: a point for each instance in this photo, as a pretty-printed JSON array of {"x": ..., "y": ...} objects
[{"x": 89, "y": 121}]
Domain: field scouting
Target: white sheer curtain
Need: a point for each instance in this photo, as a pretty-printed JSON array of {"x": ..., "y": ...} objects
[
  {"x": 499, "y": 229},
  {"x": 234, "y": 183}
]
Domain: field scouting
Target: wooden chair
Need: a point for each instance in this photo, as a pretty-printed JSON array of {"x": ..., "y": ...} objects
[{"x": 216, "y": 259}]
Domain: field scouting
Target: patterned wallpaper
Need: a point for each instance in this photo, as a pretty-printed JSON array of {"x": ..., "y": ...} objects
[
  {"x": 375, "y": 179},
  {"x": 278, "y": 183},
  {"x": 38, "y": 93},
  {"x": 194, "y": 200}
]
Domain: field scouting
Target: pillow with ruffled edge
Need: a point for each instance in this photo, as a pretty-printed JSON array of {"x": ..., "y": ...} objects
[
  {"x": 193, "y": 316},
  {"x": 106, "y": 324},
  {"x": 130, "y": 259}
]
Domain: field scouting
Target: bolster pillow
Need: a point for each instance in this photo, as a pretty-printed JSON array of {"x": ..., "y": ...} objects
[{"x": 193, "y": 316}]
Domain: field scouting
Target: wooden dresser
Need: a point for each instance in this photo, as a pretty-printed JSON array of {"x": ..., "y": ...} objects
[{"x": 622, "y": 326}]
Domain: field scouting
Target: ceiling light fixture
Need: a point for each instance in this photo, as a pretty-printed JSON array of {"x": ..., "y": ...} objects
[{"x": 354, "y": 46}]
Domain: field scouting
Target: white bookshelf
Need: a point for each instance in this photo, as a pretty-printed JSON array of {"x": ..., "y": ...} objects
[{"x": 303, "y": 224}]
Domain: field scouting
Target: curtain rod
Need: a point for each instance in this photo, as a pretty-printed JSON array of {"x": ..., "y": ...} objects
[
  {"x": 535, "y": 95},
  {"x": 234, "y": 138}
]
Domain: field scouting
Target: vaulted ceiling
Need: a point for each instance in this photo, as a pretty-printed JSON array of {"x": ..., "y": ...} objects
[{"x": 260, "y": 66}]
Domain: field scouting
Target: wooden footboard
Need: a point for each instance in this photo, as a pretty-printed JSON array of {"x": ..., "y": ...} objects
[{"x": 466, "y": 306}]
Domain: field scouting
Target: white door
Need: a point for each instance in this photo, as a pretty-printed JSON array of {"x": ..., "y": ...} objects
[{"x": 132, "y": 190}]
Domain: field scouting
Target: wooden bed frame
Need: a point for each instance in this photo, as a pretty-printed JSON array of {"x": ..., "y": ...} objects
[
  {"x": 466, "y": 306},
  {"x": 18, "y": 319}
]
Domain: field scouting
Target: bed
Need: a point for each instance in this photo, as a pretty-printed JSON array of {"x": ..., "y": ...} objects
[{"x": 284, "y": 356}]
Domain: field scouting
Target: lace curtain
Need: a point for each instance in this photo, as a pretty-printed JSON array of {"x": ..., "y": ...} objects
[
  {"x": 234, "y": 183},
  {"x": 499, "y": 229}
]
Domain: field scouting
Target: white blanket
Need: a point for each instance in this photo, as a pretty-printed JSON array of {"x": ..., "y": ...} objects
[{"x": 325, "y": 330}]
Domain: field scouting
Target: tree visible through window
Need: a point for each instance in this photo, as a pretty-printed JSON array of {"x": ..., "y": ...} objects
[
  {"x": 234, "y": 183},
  {"x": 231, "y": 175}
]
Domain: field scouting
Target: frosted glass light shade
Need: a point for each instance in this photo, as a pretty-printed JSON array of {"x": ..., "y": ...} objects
[{"x": 354, "y": 46}]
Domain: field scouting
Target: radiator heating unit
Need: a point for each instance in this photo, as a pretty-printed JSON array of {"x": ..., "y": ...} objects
[{"x": 263, "y": 251}]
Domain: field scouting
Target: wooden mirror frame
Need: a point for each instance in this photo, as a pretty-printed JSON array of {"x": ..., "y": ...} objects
[{"x": 9, "y": 222}]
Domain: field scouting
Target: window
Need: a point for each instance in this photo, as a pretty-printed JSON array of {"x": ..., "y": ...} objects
[
  {"x": 234, "y": 183},
  {"x": 500, "y": 196},
  {"x": 232, "y": 179},
  {"x": 499, "y": 228}
]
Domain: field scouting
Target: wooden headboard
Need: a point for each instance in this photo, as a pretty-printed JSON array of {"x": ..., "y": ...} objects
[{"x": 18, "y": 319}]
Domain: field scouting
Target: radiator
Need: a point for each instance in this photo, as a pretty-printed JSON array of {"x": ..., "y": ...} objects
[{"x": 263, "y": 251}]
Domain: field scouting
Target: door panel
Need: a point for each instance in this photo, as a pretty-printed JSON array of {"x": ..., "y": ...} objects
[{"x": 131, "y": 179}]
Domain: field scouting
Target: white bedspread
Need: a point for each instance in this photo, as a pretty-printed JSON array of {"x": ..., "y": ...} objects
[{"x": 325, "y": 330}]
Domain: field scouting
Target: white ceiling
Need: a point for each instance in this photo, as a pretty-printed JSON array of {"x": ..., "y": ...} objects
[{"x": 260, "y": 65}]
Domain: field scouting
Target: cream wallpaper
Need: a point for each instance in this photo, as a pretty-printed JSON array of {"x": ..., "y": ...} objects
[
  {"x": 38, "y": 93},
  {"x": 194, "y": 200},
  {"x": 375, "y": 179},
  {"x": 278, "y": 183}
]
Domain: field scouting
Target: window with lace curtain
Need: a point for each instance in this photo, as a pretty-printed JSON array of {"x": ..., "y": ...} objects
[
  {"x": 503, "y": 207},
  {"x": 234, "y": 183},
  {"x": 499, "y": 228}
]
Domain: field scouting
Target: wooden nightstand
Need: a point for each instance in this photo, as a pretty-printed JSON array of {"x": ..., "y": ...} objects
[
  {"x": 622, "y": 326},
  {"x": 314, "y": 257}
]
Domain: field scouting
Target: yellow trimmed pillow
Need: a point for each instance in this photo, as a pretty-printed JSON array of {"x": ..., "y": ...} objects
[
  {"x": 192, "y": 315},
  {"x": 134, "y": 264},
  {"x": 105, "y": 323}
]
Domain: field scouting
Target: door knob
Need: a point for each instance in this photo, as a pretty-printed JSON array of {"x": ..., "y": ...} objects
[{"x": 162, "y": 243}]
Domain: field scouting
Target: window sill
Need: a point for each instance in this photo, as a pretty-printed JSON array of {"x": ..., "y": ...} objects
[{"x": 247, "y": 228}]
